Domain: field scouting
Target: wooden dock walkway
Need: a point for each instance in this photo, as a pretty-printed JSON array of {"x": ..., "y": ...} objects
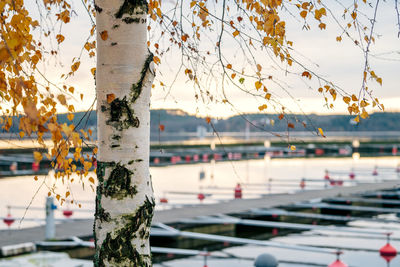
[{"x": 84, "y": 228}]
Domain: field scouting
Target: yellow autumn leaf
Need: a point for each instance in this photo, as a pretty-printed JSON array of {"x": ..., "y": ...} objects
[
  {"x": 75, "y": 66},
  {"x": 262, "y": 107},
  {"x": 364, "y": 114},
  {"x": 62, "y": 99},
  {"x": 303, "y": 14},
  {"x": 67, "y": 194},
  {"x": 346, "y": 99},
  {"x": 258, "y": 84},
  {"x": 292, "y": 147},
  {"x": 321, "y": 132},
  {"x": 235, "y": 33},
  {"x": 91, "y": 179},
  {"x": 37, "y": 156}
]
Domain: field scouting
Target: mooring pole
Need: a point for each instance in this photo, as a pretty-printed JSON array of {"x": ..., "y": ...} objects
[{"x": 50, "y": 226}]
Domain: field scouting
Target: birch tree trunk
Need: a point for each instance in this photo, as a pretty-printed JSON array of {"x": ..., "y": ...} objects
[{"x": 124, "y": 202}]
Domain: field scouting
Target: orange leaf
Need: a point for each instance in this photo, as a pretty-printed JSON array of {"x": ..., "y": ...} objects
[
  {"x": 161, "y": 127},
  {"x": 104, "y": 35},
  {"x": 60, "y": 38},
  {"x": 208, "y": 120},
  {"x": 303, "y": 14},
  {"x": 110, "y": 98},
  {"x": 156, "y": 60}
]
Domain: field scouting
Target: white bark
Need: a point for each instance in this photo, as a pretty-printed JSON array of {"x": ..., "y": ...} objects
[{"x": 124, "y": 75}]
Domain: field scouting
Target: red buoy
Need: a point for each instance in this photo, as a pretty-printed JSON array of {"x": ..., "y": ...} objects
[
  {"x": 326, "y": 177},
  {"x": 156, "y": 161},
  {"x": 352, "y": 176},
  {"x": 163, "y": 200},
  {"x": 338, "y": 262},
  {"x": 68, "y": 213},
  {"x": 201, "y": 196},
  {"x": 375, "y": 172},
  {"x": 302, "y": 184},
  {"x": 275, "y": 231},
  {"x": 238, "y": 191},
  {"x": 9, "y": 220},
  {"x": 388, "y": 252}
]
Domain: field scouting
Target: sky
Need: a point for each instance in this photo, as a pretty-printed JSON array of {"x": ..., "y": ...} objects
[{"x": 341, "y": 62}]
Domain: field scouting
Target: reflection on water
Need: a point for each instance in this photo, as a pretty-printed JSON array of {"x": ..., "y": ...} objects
[
  {"x": 218, "y": 184},
  {"x": 180, "y": 184}
]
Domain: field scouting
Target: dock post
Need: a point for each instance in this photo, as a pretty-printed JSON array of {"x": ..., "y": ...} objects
[{"x": 50, "y": 226}]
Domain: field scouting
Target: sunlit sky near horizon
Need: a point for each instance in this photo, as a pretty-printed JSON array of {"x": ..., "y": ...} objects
[{"x": 341, "y": 62}]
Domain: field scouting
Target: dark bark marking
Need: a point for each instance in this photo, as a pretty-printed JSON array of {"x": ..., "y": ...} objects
[
  {"x": 118, "y": 184},
  {"x": 129, "y": 6},
  {"x": 136, "y": 89},
  {"x": 98, "y": 9},
  {"x": 118, "y": 248},
  {"x": 121, "y": 115},
  {"x": 130, "y": 20}
]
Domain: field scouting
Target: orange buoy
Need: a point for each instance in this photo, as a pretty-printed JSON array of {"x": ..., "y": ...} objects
[
  {"x": 9, "y": 220},
  {"x": 201, "y": 196},
  {"x": 388, "y": 252},
  {"x": 68, "y": 213},
  {"x": 238, "y": 191}
]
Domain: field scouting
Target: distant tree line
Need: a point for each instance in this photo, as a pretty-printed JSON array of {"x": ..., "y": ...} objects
[{"x": 178, "y": 121}]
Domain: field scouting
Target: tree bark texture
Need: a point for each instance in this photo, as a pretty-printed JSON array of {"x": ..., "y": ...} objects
[{"x": 124, "y": 74}]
